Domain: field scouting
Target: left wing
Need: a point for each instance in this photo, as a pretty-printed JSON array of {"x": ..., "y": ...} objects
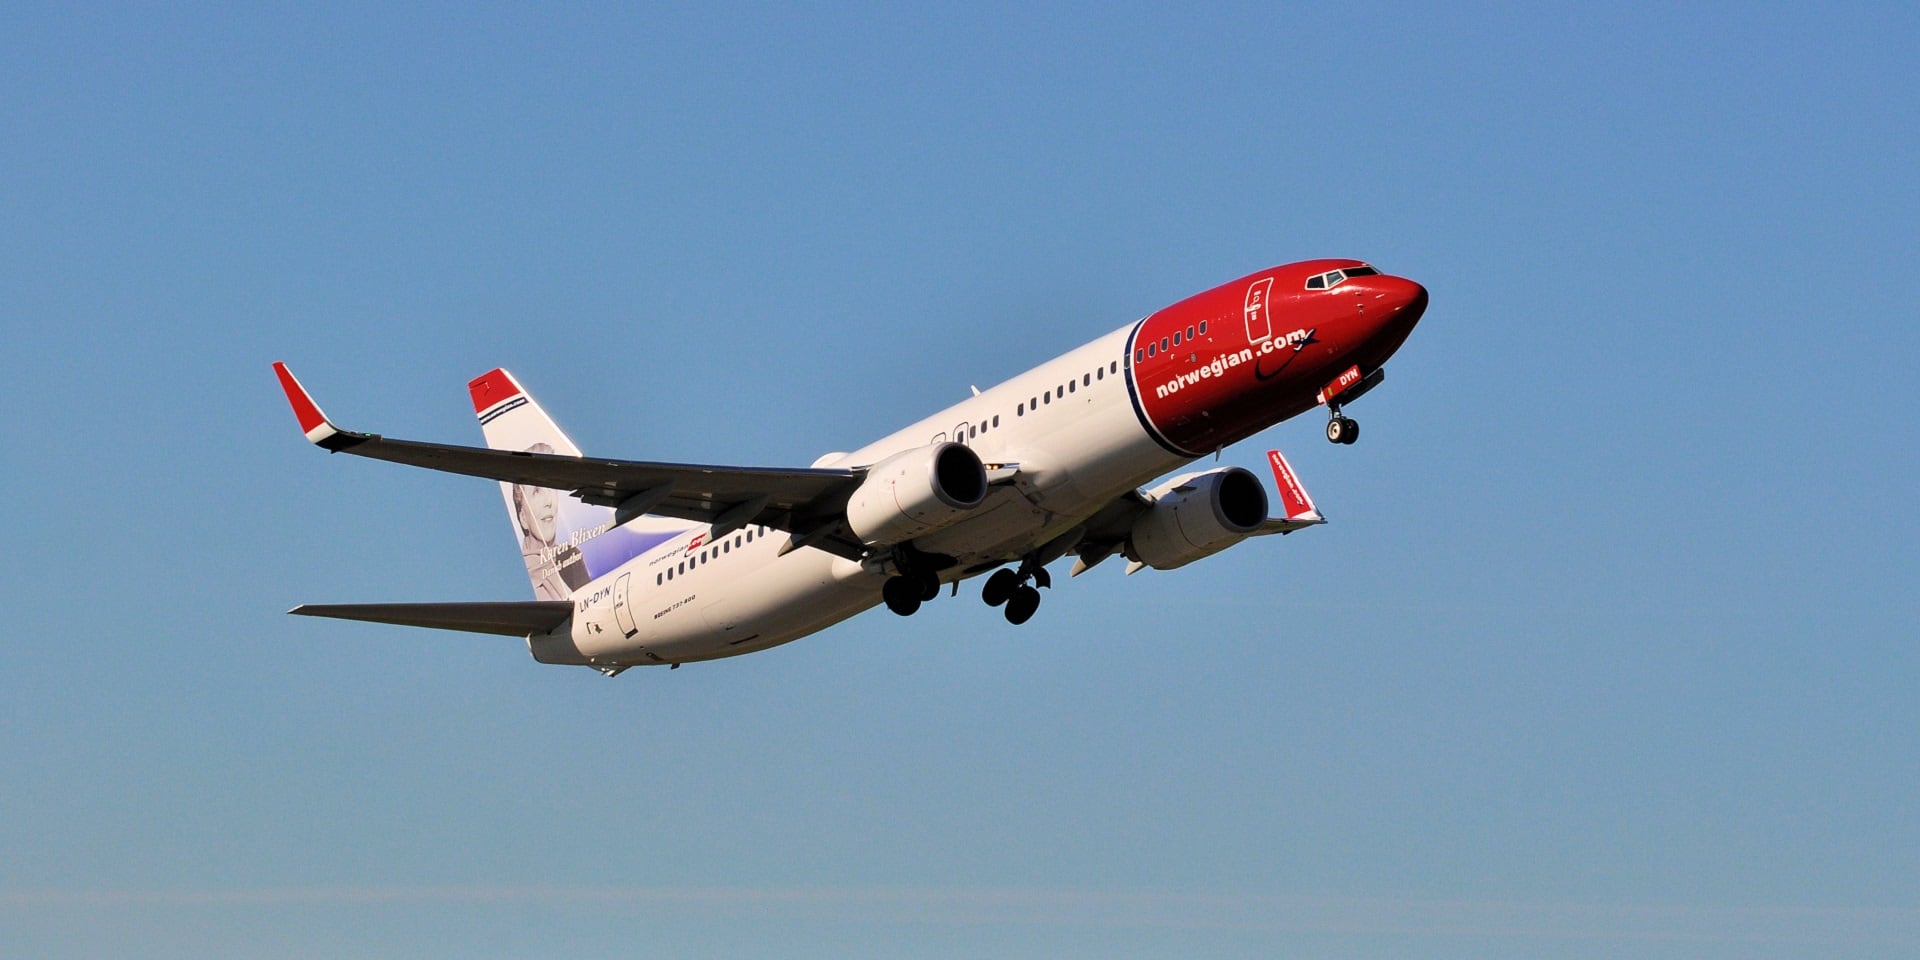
[{"x": 808, "y": 503}]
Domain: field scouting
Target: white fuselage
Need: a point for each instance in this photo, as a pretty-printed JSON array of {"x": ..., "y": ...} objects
[{"x": 1069, "y": 425}]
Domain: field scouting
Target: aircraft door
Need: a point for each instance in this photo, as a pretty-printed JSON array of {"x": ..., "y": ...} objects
[{"x": 623, "y": 605}]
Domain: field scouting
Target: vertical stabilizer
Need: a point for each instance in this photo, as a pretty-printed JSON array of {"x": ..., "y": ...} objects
[{"x": 565, "y": 543}]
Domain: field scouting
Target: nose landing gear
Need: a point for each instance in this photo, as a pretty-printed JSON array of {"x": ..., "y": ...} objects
[
  {"x": 1347, "y": 388},
  {"x": 1342, "y": 429}
]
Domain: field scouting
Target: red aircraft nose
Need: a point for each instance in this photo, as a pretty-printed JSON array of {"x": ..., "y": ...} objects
[{"x": 1391, "y": 306}]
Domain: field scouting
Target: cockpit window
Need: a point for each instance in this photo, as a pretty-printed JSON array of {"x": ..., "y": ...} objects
[{"x": 1332, "y": 278}]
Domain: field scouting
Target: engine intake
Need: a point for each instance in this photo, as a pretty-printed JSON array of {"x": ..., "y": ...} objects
[
  {"x": 1197, "y": 515},
  {"x": 916, "y": 492}
]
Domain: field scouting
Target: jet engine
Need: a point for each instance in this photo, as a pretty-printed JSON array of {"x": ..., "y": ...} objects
[
  {"x": 1197, "y": 515},
  {"x": 916, "y": 491}
]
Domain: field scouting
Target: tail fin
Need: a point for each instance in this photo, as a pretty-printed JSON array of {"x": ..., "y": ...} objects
[{"x": 565, "y": 543}]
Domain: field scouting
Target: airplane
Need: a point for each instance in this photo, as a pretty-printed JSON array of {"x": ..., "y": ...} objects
[{"x": 639, "y": 563}]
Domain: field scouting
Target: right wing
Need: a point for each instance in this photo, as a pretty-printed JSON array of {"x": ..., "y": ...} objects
[
  {"x": 1106, "y": 532},
  {"x": 808, "y": 503}
]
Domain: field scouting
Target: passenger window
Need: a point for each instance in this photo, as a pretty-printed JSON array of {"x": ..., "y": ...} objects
[
  {"x": 1020, "y": 410},
  {"x": 996, "y": 420},
  {"x": 1100, "y": 373},
  {"x": 659, "y": 579},
  {"x": 1086, "y": 379},
  {"x": 1203, "y": 326},
  {"x": 1069, "y": 386},
  {"x": 1176, "y": 338},
  {"x": 1046, "y": 398},
  {"x": 1164, "y": 345},
  {"x": 1115, "y": 367},
  {"x": 1189, "y": 333},
  {"x": 1149, "y": 349}
]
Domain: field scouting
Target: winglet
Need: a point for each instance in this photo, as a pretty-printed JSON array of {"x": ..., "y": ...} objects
[
  {"x": 1293, "y": 496},
  {"x": 1301, "y": 512},
  {"x": 314, "y": 423}
]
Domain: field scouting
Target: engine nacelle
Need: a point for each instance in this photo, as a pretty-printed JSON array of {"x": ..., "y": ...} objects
[
  {"x": 1196, "y": 516},
  {"x": 915, "y": 492}
]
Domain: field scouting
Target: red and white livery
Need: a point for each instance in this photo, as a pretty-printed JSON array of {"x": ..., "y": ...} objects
[{"x": 638, "y": 562}]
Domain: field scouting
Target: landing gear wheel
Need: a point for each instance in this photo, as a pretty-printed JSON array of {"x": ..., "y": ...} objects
[
  {"x": 1343, "y": 429},
  {"x": 1352, "y": 431},
  {"x": 902, "y": 595},
  {"x": 929, "y": 583},
  {"x": 1000, "y": 587},
  {"x": 1022, "y": 604}
]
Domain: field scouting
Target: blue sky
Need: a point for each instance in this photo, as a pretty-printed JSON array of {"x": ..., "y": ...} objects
[{"x": 1609, "y": 647}]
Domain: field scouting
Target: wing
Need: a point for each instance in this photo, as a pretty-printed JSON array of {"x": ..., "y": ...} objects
[
  {"x": 1106, "y": 532},
  {"x": 808, "y": 503}
]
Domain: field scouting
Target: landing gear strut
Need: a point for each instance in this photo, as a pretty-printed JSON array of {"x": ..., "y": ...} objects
[
  {"x": 1341, "y": 428},
  {"x": 1011, "y": 588}
]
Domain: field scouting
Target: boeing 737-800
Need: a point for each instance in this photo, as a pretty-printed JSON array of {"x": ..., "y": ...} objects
[{"x": 636, "y": 563}]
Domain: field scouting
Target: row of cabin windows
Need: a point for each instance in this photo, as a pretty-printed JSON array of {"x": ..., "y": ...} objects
[
  {"x": 976, "y": 429},
  {"x": 1140, "y": 354},
  {"x": 1061, "y": 391},
  {"x": 713, "y": 551}
]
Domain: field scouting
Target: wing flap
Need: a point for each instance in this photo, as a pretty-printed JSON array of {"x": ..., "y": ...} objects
[{"x": 516, "y": 618}]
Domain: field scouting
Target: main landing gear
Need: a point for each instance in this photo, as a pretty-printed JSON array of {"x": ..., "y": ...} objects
[
  {"x": 905, "y": 592},
  {"x": 1011, "y": 588},
  {"x": 1016, "y": 589}
]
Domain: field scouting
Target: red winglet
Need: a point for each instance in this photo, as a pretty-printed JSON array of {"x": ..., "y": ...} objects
[
  {"x": 1293, "y": 496},
  {"x": 490, "y": 388},
  {"x": 312, "y": 421}
]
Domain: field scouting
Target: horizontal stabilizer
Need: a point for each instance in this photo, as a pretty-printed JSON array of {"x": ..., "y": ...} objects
[{"x": 517, "y": 618}]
